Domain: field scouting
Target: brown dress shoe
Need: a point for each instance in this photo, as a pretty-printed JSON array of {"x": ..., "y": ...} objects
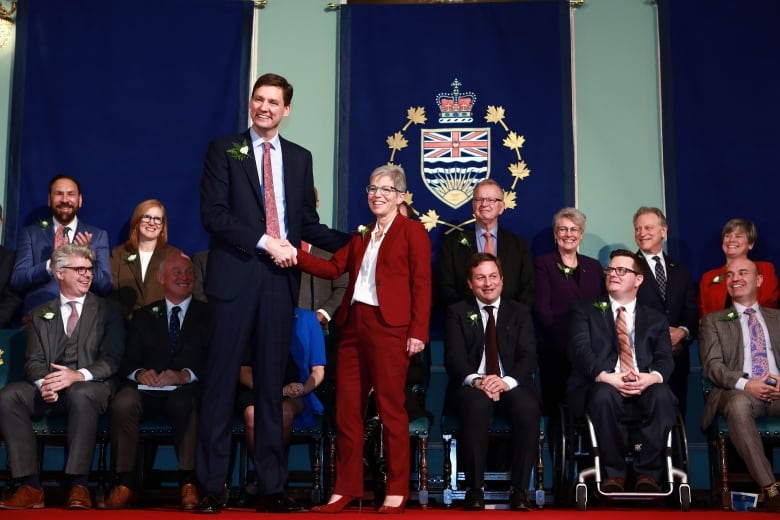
[
  {"x": 78, "y": 498},
  {"x": 772, "y": 498},
  {"x": 120, "y": 497},
  {"x": 26, "y": 497},
  {"x": 613, "y": 485},
  {"x": 189, "y": 497}
]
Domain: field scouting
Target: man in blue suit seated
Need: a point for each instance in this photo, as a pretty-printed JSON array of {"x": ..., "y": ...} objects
[
  {"x": 32, "y": 277},
  {"x": 621, "y": 356}
]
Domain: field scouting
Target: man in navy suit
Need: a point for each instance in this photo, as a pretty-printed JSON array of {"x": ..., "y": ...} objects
[
  {"x": 668, "y": 288},
  {"x": 479, "y": 393},
  {"x": 32, "y": 277},
  {"x": 603, "y": 385},
  {"x": 166, "y": 353},
  {"x": 257, "y": 203}
]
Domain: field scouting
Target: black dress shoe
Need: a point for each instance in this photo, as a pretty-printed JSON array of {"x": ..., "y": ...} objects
[
  {"x": 474, "y": 500},
  {"x": 278, "y": 503},
  {"x": 518, "y": 500},
  {"x": 210, "y": 504}
]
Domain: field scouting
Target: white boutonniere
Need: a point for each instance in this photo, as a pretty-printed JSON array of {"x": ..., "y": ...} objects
[
  {"x": 731, "y": 316},
  {"x": 47, "y": 314},
  {"x": 601, "y": 305},
  {"x": 43, "y": 223},
  {"x": 131, "y": 258},
  {"x": 239, "y": 151},
  {"x": 565, "y": 269},
  {"x": 362, "y": 230},
  {"x": 156, "y": 311},
  {"x": 473, "y": 318},
  {"x": 464, "y": 241},
  {"x": 717, "y": 279}
]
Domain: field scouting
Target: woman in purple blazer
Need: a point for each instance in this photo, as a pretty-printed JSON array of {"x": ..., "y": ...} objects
[{"x": 562, "y": 277}]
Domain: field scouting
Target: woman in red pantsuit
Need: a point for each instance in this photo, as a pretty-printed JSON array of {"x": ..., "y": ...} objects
[{"x": 384, "y": 321}]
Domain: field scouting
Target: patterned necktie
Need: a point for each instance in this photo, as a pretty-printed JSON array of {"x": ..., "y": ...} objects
[
  {"x": 489, "y": 246},
  {"x": 65, "y": 233},
  {"x": 271, "y": 215},
  {"x": 626, "y": 356},
  {"x": 174, "y": 328},
  {"x": 760, "y": 362},
  {"x": 73, "y": 319},
  {"x": 660, "y": 276},
  {"x": 491, "y": 344}
]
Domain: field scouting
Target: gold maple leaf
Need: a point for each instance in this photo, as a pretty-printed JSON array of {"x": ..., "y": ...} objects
[
  {"x": 519, "y": 171},
  {"x": 430, "y": 219},
  {"x": 1, "y": 356},
  {"x": 415, "y": 115},
  {"x": 496, "y": 115},
  {"x": 510, "y": 199},
  {"x": 408, "y": 198},
  {"x": 514, "y": 142},
  {"x": 397, "y": 141}
]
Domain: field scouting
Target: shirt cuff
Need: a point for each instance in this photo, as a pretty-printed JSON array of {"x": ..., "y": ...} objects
[
  {"x": 86, "y": 373},
  {"x": 324, "y": 313},
  {"x": 658, "y": 374},
  {"x": 741, "y": 382},
  {"x": 193, "y": 377},
  {"x": 470, "y": 379},
  {"x": 511, "y": 382}
]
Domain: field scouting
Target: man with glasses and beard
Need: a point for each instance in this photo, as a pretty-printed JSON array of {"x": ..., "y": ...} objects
[{"x": 32, "y": 276}]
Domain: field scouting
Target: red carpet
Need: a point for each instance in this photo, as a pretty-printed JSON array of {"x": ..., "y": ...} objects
[{"x": 636, "y": 513}]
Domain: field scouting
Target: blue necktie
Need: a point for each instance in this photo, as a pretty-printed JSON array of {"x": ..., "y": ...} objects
[{"x": 174, "y": 328}]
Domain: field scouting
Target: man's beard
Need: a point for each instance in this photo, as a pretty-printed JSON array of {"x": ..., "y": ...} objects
[{"x": 66, "y": 218}]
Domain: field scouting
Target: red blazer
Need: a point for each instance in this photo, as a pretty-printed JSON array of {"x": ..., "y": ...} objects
[
  {"x": 712, "y": 295},
  {"x": 403, "y": 274}
]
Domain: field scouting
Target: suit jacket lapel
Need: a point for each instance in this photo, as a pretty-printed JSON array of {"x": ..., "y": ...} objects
[
  {"x": 86, "y": 329},
  {"x": 773, "y": 328},
  {"x": 250, "y": 169}
]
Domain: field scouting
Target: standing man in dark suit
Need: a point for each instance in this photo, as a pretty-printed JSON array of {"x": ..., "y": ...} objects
[
  {"x": 740, "y": 352},
  {"x": 611, "y": 371},
  {"x": 74, "y": 348},
  {"x": 166, "y": 353},
  {"x": 668, "y": 288},
  {"x": 33, "y": 278},
  {"x": 257, "y": 203},
  {"x": 486, "y": 236},
  {"x": 481, "y": 391},
  {"x": 9, "y": 300}
]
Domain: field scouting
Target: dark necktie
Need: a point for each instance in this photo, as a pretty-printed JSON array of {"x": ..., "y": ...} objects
[
  {"x": 73, "y": 319},
  {"x": 174, "y": 328},
  {"x": 660, "y": 276},
  {"x": 271, "y": 215},
  {"x": 66, "y": 233},
  {"x": 625, "y": 354},
  {"x": 760, "y": 362},
  {"x": 491, "y": 344}
]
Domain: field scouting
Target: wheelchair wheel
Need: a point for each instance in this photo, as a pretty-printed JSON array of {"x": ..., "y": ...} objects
[
  {"x": 685, "y": 497},
  {"x": 582, "y": 497}
]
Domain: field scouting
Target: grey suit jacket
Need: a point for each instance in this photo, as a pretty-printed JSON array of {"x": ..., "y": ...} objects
[
  {"x": 722, "y": 353},
  {"x": 100, "y": 339}
]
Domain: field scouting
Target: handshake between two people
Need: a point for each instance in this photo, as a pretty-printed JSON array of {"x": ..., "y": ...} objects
[{"x": 282, "y": 252}]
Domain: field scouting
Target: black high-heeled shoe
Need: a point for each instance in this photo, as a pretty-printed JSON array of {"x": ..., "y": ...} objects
[{"x": 337, "y": 506}]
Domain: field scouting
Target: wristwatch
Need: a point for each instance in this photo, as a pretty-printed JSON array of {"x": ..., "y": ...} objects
[{"x": 475, "y": 381}]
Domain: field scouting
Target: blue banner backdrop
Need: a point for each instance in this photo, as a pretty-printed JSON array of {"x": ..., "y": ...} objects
[
  {"x": 721, "y": 132},
  {"x": 125, "y": 97},
  {"x": 455, "y": 93}
]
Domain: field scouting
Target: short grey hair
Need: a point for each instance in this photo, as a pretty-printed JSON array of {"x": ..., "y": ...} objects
[
  {"x": 394, "y": 171},
  {"x": 573, "y": 214},
  {"x": 61, "y": 256}
]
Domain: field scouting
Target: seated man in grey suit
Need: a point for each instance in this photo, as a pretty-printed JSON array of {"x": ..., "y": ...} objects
[
  {"x": 740, "y": 351},
  {"x": 74, "y": 348},
  {"x": 490, "y": 356},
  {"x": 166, "y": 353}
]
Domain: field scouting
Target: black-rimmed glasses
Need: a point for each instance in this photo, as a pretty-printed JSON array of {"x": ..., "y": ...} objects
[
  {"x": 620, "y": 271},
  {"x": 81, "y": 270},
  {"x": 486, "y": 200},
  {"x": 384, "y": 190},
  {"x": 151, "y": 218}
]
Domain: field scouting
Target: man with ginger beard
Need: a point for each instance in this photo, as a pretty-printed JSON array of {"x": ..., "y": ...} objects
[{"x": 32, "y": 276}]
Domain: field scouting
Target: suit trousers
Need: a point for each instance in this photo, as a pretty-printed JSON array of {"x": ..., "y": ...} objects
[
  {"x": 371, "y": 354},
  {"x": 658, "y": 414},
  {"x": 521, "y": 407},
  {"x": 82, "y": 403},
  {"x": 740, "y": 410},
  {"x": 259, "y": 318},
  {"x": 130, "y": 406}
]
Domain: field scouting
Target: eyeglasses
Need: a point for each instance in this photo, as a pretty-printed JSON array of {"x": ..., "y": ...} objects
[
  {"x": 562, "y": 230},
  {"x": 486, "y": 200},
  {"x": 384, "y": 190},
  {"x": 620, "y": 271},
  {"x": 81, "y": 271},
  {"x": 150, "y": 218}
]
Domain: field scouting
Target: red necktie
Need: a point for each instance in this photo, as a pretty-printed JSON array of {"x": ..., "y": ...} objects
[
  {"x": 73, "y": 319},
  {"x": 626, "y": 356},
  {"x": 491, "y": 344},
  {"x": 489, "y": 247},
  {"x": 271, "y": 215}
]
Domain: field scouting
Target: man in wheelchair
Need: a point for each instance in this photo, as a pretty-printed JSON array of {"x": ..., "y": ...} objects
[
  {"x": 621, "y": 355},
  {"x": 740, "y": 349}
]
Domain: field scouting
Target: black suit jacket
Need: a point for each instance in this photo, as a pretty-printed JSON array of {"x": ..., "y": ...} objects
[
  {"x": 593, "y": 346},
  {"x": 681, "y": 305},
  {"x": 464, "y": 341},
  {"x": 148, "y": 346},
  {"x": 232, "y": 211},
  {"x": 457, "y": 248},
  {"x": 10, "y": 302}
]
